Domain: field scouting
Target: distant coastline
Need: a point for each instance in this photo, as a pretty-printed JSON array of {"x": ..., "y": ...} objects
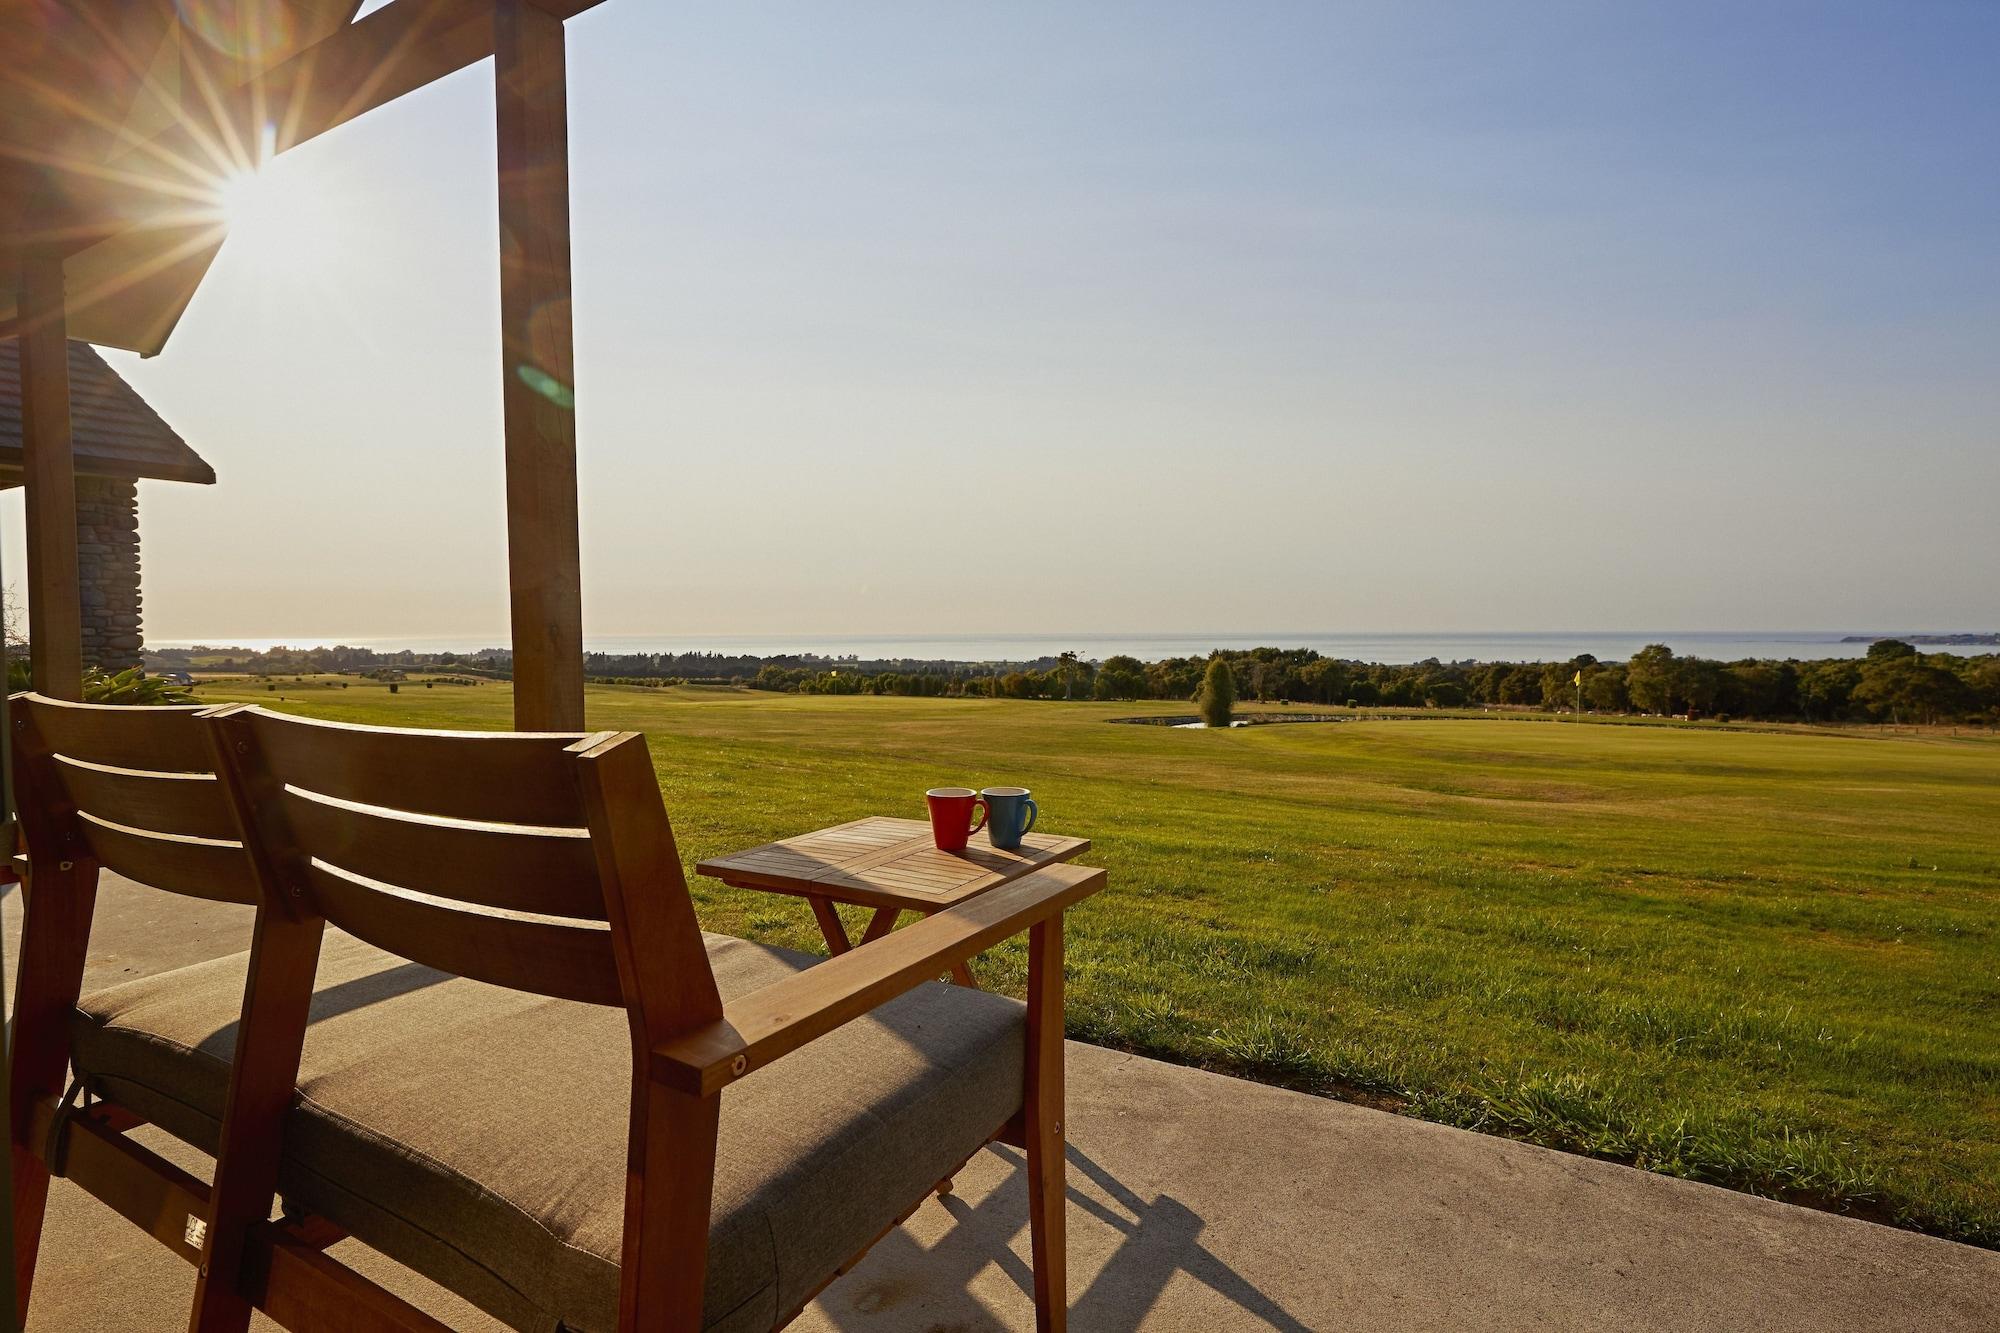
[{"x": 1382, "y": 647}]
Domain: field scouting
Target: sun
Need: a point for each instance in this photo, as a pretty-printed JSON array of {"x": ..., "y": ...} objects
[
  {"x": 236, "y": 198},
  {"x": 279, "y": 216}
]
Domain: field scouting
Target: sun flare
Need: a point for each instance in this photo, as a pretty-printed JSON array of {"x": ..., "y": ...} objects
[
  {"x": 236, "y": 198},
  {"x": 279, "y": 216}
]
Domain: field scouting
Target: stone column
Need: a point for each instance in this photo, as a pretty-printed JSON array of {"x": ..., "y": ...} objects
[{"x": 107, "y": 548}]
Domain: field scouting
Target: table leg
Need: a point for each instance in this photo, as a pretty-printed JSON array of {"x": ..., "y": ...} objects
[
  {"x": 962, "y": 972},
  {"x": 828, "y": 917},
  {"x": 881, "y": 924}
]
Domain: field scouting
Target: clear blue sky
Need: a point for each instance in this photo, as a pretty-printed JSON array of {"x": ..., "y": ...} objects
[{"x": 1117, "y": 317}]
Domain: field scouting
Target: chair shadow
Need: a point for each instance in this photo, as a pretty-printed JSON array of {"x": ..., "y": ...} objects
[
  {"x": 344, "y": 997},
  {"x": 1160, "y": 1239}
]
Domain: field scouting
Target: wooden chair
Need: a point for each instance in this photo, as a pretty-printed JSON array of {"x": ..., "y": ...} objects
[
  {"x": 131, "y": 789},
  {"x": 485, "y": 1113}
]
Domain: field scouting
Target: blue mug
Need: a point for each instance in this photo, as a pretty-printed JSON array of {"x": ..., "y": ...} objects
[{"x": 1010, "y": 814}]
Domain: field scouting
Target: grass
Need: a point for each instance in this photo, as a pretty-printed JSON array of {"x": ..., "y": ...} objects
[{"x": 1767, "y": 960}]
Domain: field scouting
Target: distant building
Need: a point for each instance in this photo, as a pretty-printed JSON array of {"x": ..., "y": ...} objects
[{"x": 118, "y": 440}]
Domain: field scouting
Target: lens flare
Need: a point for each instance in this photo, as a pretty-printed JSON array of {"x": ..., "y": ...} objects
[
  {"x": 236, "y": 197},
  {"x": 547, "y": 385},
  {"x": 247, "y": 30}
]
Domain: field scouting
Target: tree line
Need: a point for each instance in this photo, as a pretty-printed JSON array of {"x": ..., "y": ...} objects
[{"x": 1893, "y": 683}]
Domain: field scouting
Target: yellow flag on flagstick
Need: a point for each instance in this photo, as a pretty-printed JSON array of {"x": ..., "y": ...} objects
[{"x": 1579, "y": 677}]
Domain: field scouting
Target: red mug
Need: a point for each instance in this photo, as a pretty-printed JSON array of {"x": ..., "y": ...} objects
[{"x": 951, "y": 816}]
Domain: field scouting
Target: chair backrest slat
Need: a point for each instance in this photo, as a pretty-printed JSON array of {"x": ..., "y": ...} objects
[
  {"x": 515, "y": 867},
  {"x": 187, "y": 803},
  {"x": 570, "y": 960},
  {"x": 136, "y": 786},
  {"x": 197, "y": 867},
  {"x": 503, "y": 777},
  {"x": 470, "y": 852},
  {"x": 166, "y": 739}
]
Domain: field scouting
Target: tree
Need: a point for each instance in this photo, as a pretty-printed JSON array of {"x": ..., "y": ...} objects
[
  {"x": 1759, "y": 689},
  {"x": 1325, "y": 681},
  {"x": 1558, "y": 686},
  {"x": 1604, "y": 689},
  {"x": 1519, "y": 685},
  {"x": 1652, "y": 679},
  {"x": 1826, "y": 688},
  {"x": 1174, "y": 678},
  {"x": 12, "y": 625},
  {"x": 1218, "y": 692},
  {"x": 1700, "y": 683},
  {"x": 1067, "y": 665},
  {"x": 1909, "y": 689},
  {"x": 1982, "y": 677},
  {"x": 1443, "y": 694},
  {"x": 1120, "y": 677},
  {"x": 1883, "y": 650},
  {"x": 1398, "y": 693}
]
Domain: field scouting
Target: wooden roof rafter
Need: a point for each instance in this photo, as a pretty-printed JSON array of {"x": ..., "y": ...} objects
[{"x": 135, "y": 215}]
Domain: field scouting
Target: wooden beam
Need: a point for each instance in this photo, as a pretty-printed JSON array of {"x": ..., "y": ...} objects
[
  {"x": 537, "y": 368},
  {"x": 149, "y": 182},
  {"x": 55, "y": 612},
  {"x": 393, "y": 51}
]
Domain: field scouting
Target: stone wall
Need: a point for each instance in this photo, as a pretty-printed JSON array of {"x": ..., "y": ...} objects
[{"x": 107, "y": 549}]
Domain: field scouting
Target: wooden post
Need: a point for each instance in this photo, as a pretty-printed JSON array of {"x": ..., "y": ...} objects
[
  {"x": 538, "y": 368},
  {"x": 1048, "y": 1158},
  {"x": 55, "y": 612}
]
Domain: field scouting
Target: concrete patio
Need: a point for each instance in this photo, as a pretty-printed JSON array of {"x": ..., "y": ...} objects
[{"x": 1199, "y": 1202}]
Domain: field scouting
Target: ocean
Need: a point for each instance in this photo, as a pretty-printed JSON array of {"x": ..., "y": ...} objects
[{"x": 1546, "y": 646}]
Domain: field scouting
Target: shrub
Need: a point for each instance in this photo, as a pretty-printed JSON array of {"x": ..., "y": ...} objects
[
  {"x": 1218, "y": 693},
  {"x": 130, "y": 686}
]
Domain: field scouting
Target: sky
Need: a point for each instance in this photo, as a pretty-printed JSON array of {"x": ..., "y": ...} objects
[{"x": 1042, "y": 317}]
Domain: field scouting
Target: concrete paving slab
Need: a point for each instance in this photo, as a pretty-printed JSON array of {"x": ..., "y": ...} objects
[{"x": 1204, "y": 1203}]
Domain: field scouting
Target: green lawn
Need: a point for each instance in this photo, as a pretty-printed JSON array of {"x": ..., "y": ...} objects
[{"x": 1765, "y": 960}]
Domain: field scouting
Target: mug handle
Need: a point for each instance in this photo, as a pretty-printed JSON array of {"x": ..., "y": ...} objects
[
  {"x": 1033, "y": 810},
  {"x": 984, "y": 810}
]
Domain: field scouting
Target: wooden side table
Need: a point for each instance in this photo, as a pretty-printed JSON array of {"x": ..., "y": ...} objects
[{"x": 891, "y": 865}]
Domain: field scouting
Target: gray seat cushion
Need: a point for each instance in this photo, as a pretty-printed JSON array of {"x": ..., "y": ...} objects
[{"x": 478, "y": 1135}]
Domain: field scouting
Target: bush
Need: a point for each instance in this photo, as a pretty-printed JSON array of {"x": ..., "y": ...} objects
[
  {"x": 130, "y": 686},
  {"x": 1218, "y": 694}
]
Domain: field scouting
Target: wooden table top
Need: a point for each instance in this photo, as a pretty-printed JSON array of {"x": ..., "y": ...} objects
[{"x": 884, "y": 862}]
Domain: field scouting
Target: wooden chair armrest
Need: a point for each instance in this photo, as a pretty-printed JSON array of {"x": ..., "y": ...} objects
[{"x": 781, "y": 1017}]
